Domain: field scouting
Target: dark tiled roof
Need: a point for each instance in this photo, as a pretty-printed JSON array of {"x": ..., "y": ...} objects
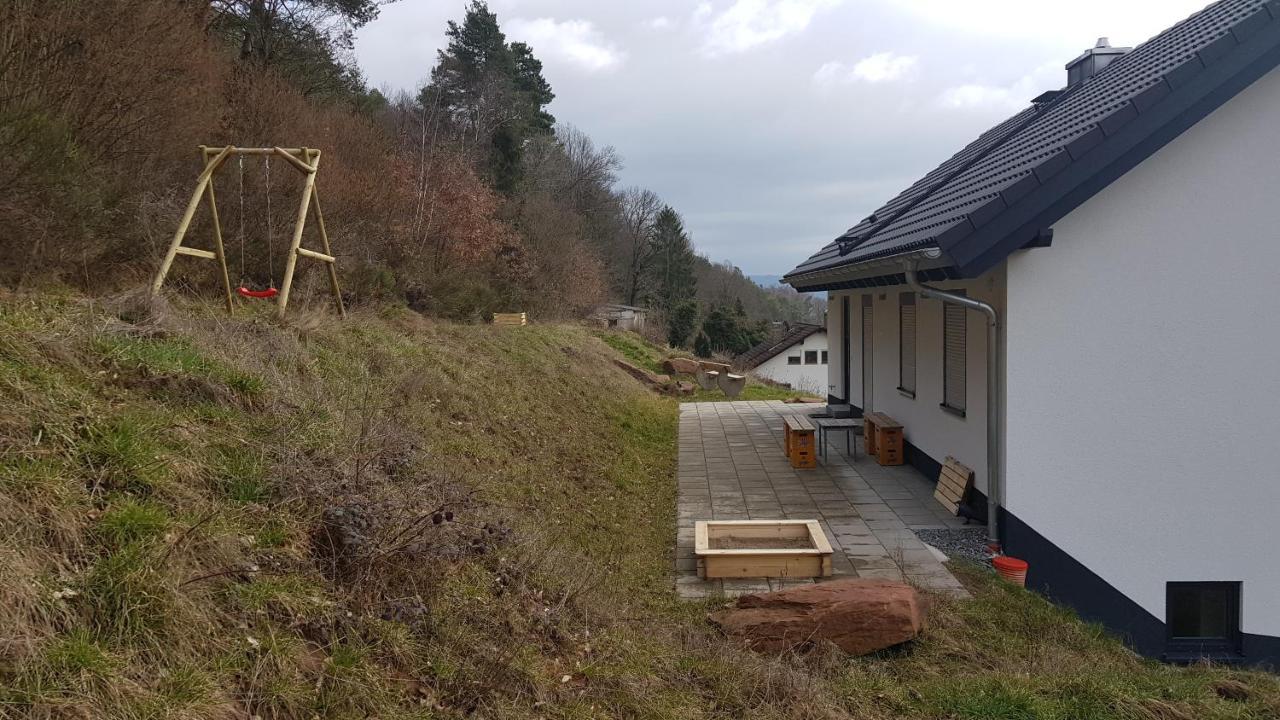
[
  {"x": 997, "y": 193},
  {"x": 775, "y": 345}
]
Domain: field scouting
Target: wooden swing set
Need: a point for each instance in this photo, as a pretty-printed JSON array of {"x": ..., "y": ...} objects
[{"x": 306, "y": 161}]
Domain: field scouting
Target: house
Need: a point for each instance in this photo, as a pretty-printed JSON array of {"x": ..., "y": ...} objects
[
  {"x": 1082, "y": 305},
  {"x": 621, "y": 317},
  {"x": 795, "y": 356}
]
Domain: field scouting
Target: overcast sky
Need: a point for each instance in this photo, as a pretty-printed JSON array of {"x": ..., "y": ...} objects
[{"x": 774, "y": 125}]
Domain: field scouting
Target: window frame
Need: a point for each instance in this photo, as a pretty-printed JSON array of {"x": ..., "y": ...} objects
[
  {"x": 1191, "y": 648},
  {"x": 808, "y": 354},
  {"x": 947, "y": 309},
  {"x": 793, "y": 359},
  {"x": 908, "y": 300},
  {"x": 824, "y": 358}
]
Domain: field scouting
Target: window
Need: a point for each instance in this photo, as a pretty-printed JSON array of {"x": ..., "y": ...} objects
[
  {"x": 907, "y": 344},
  {"x": 824, "y": 357},
  {"x": 1202, "y": 619},
  {"x": 954, "y": 366},
  {"x": 793, "y": 359},
  {"x": 810, "y": 357}
]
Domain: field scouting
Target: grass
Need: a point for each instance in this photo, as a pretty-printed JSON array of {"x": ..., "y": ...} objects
[
  {"x": 641, "y": 353},
  {"x": 192, "y": 531}
]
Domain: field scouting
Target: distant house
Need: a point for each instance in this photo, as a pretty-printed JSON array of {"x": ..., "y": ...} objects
[
  {"x": 795, "y": 356},
  {"x": 1081, "y": 304},
  {"x": 621, "y": 317}
]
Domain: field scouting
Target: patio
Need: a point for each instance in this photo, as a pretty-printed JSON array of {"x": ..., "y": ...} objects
[{"x": 732, "y": 467}]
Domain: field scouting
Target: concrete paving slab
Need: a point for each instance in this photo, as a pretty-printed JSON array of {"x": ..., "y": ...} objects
[{"x": 731, "y": 467}]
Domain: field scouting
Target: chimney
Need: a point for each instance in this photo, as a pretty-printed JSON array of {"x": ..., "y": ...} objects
[{"x": 1092, "y": 61}]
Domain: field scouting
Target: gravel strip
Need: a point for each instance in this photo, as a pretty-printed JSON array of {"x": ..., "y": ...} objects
[{"x": 967, "y": 543}]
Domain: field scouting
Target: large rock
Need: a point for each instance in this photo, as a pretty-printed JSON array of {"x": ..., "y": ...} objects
[
  {"x": 661, "y": 383},
  {"x": 859, "y": 615},
  {"x": 680, "y": 366}
]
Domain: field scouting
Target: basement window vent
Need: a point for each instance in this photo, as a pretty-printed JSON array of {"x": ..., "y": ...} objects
[{"x": 1202, "y": 619}]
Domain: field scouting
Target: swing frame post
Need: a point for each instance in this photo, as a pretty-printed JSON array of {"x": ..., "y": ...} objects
[
  {"x": 306, "y": 161},
  {"x": 295, "y": 245},
  {"x": 324, "y": 241},
  {"x": 218, "y": 248},
  {"x": 175, "y": 245}
]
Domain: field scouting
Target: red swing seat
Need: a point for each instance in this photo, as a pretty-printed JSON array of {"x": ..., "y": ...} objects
[{"x": 259, "y": 294}]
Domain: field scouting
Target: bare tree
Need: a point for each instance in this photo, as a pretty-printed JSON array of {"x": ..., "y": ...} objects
[{"x": 639, "y": 211}]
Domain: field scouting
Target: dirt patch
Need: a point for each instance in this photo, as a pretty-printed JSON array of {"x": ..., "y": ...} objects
[{"x": 737, "y": 543}]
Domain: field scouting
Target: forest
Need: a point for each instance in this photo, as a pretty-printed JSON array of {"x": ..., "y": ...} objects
[{"x": 465, "y": 198}]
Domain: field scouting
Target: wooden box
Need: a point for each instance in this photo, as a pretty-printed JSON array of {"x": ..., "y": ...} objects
[
  {"x": 889, "y": 450},
  {"x": 761, "y": 548},
  {"x": 513, "y": 319},
  {"x": 799, "y": 442},
  {"x": 869, "y": 432}
]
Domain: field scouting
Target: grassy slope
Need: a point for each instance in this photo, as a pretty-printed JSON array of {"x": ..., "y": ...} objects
[
  {"x": 166, "y": 479},
  {"x": 641, "y": 353}
]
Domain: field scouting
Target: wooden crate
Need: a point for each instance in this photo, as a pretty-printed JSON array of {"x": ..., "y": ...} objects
[
  {"x": 811, "y": 560},
  {"x": 798, "y": 440},
  {"x": 889, "y": 441},
  {"x": 954, "y": 482},
  {"x": 869, "y": 432},
  {"x": 510, "y": 318}
]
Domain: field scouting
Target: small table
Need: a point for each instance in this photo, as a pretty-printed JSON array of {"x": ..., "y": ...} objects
[{"x": 847, "y": 425}]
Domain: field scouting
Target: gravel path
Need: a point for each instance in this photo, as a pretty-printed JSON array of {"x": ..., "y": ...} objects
[{"x": 967, "y": 543}]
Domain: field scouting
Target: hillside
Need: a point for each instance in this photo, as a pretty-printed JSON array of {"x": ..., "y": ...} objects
[{"x": 394, "y": 517}]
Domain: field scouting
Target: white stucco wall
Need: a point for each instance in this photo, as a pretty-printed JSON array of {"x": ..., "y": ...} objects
[
  {"x": 926, "y": 425},
  {"x": 808, "y": 378},
  {"x": 1144, "y": 368}
]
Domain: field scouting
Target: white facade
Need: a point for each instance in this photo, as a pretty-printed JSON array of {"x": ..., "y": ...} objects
[
  {"x": 802, "y": 366},
  {"x": 1144, "y": 368},
  {"x": 1142, "y": 356},
  {"x": 928, "y": 426}
]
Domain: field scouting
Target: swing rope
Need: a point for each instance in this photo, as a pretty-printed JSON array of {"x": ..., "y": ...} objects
[{"x": 244, "y": 291}]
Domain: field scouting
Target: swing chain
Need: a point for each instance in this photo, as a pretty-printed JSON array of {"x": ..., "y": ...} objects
[
  {"x": 271, "y": 269},
  {"x": 242, "y": 242}
]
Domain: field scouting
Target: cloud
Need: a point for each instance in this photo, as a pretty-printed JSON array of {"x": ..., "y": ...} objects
[
  {"x": 576, "y": 42},
  {"x": 878, "y": 68},
  {"x": 659, "y": 23},
  {"x": 751, "y": 23},
  {"x": 975, "y": 95},
  {"x": 1084, "y": 20},
  {"x": 1003, "y": 98}
]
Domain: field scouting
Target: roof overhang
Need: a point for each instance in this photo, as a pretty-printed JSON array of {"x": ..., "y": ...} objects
[{"x": 875, "y": 272}]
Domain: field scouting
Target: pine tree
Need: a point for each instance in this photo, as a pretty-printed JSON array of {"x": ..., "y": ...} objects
[
  {"x": 494, "y": 92},
  {"x": 309, "y": 42},
  {"x": 672, "y": 264},
  {"x": 702, "y": 346},
  {"x": 681, "y": 322}
]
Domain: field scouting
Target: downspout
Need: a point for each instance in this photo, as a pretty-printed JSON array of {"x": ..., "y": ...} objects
[{"x": 993, "y": 392}]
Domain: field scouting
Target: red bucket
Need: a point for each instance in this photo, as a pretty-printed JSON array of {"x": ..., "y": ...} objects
[{"x": 1011, "y": 569}]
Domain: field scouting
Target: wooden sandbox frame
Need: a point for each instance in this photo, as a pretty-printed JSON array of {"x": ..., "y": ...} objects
[
  {"x": 306, "y": 161},
  {"x": 813, "y": 561}
]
